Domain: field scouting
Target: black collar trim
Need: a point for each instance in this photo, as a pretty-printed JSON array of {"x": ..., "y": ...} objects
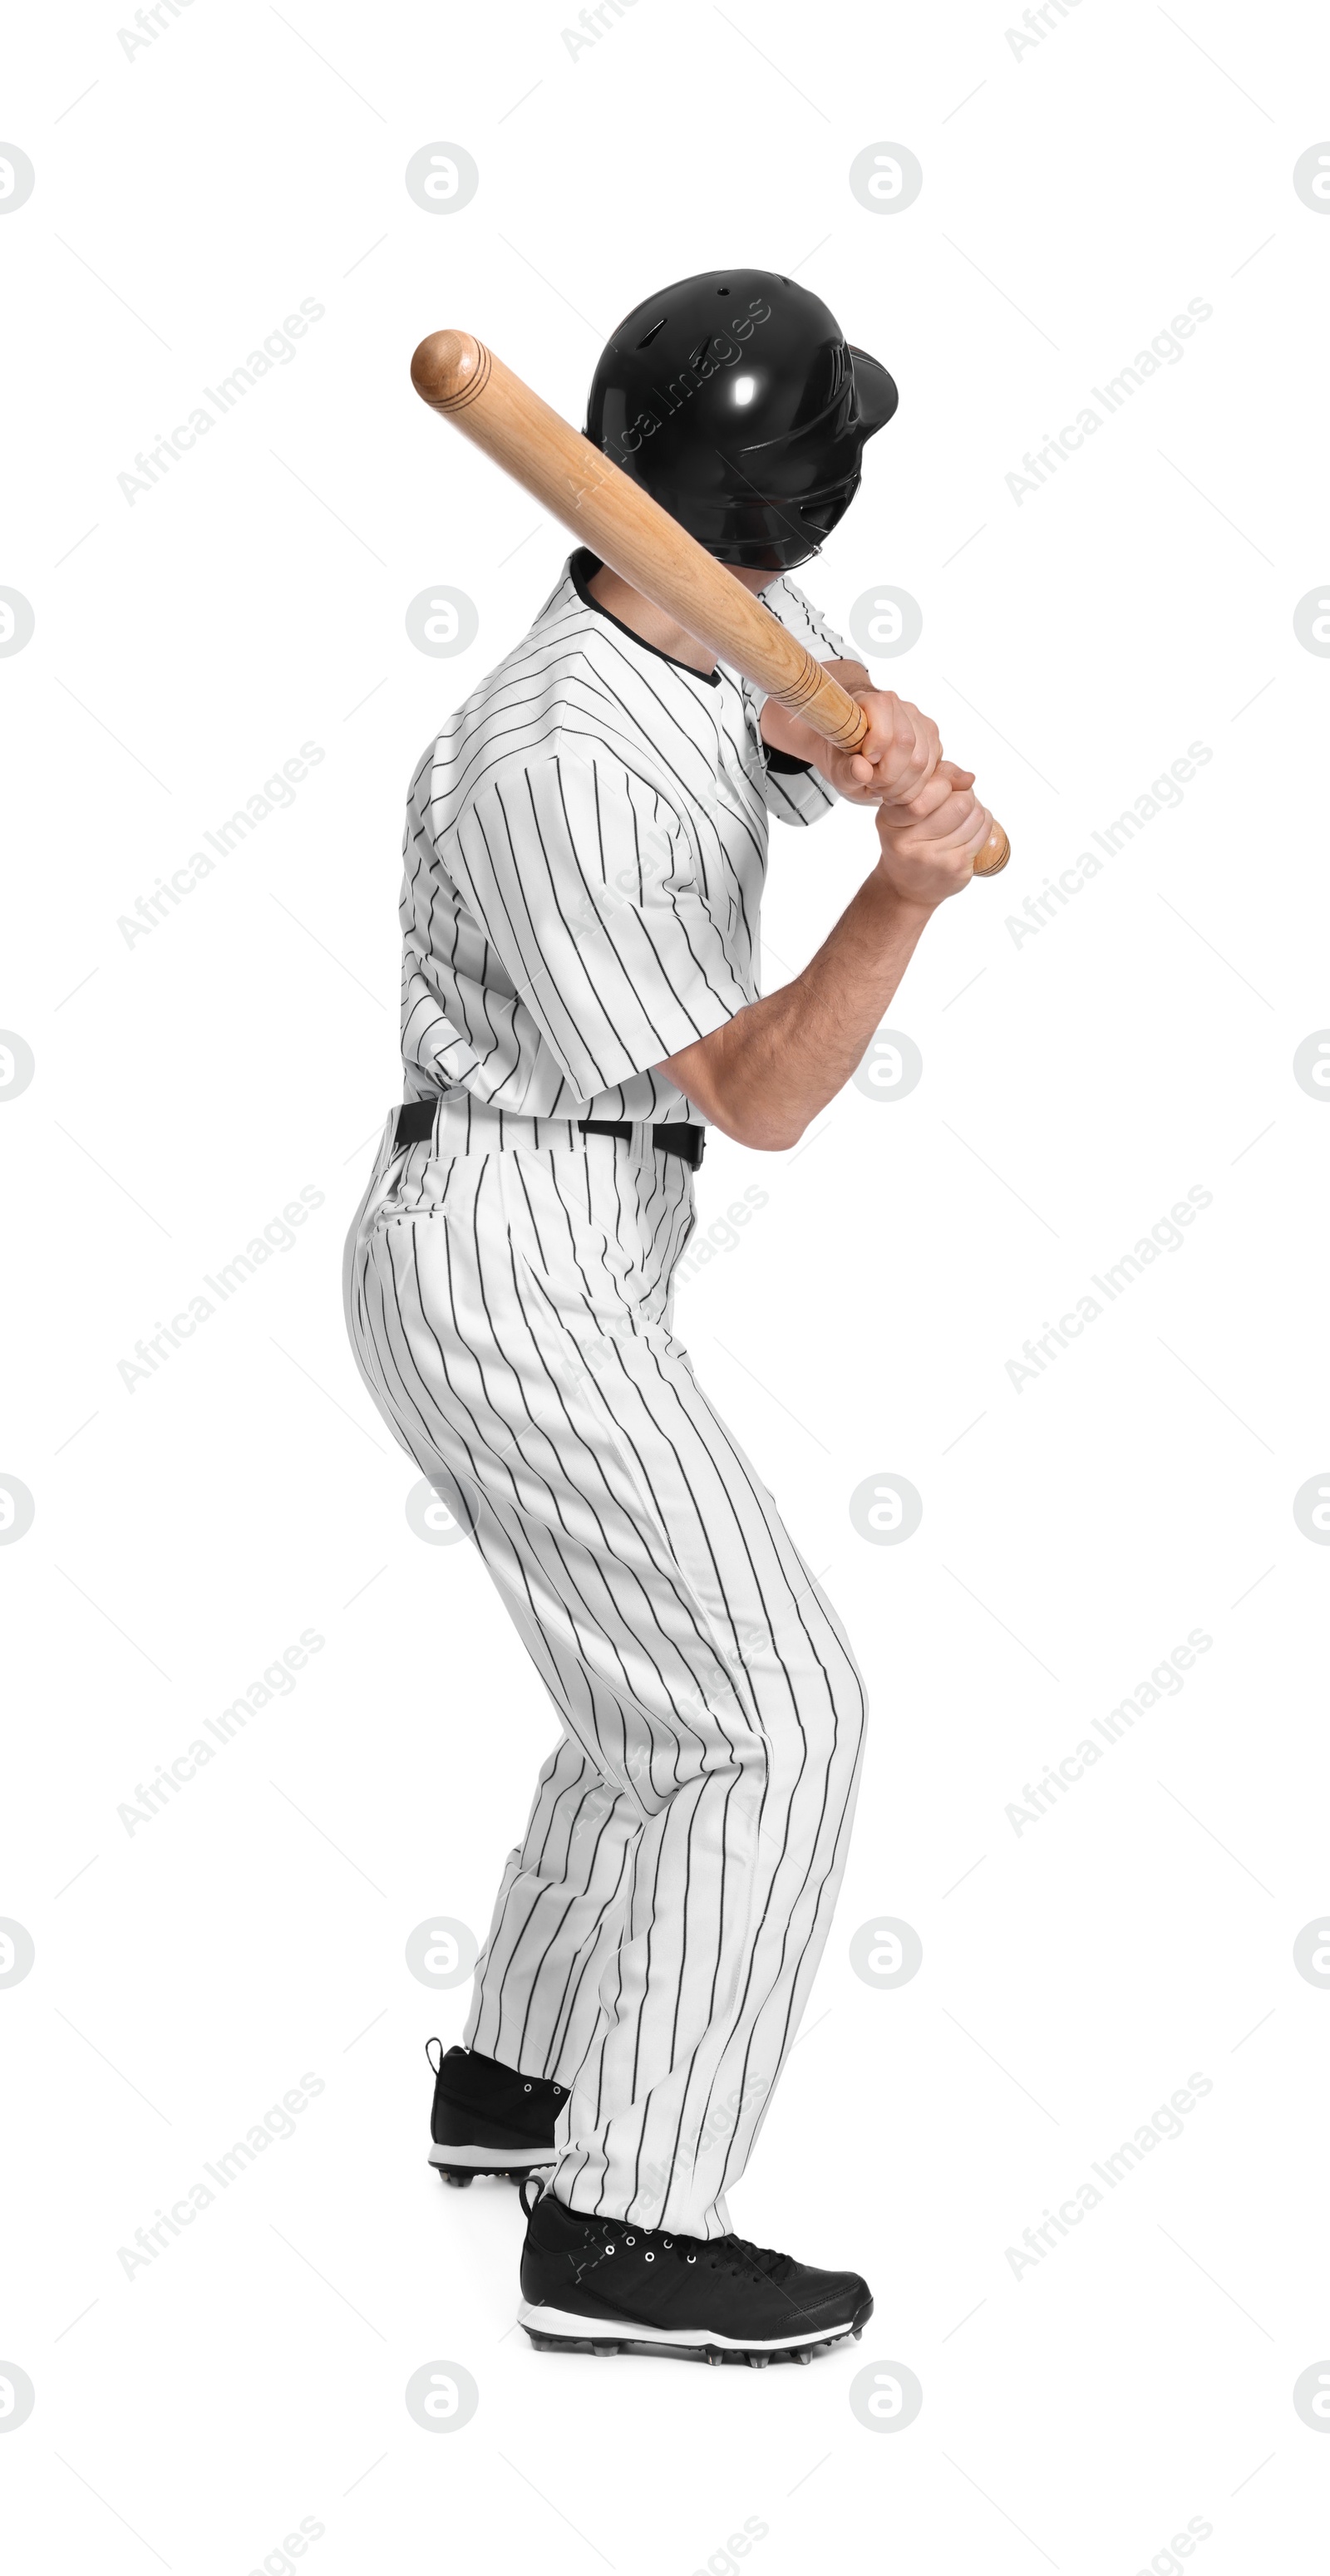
[{"x": 582, "y": 568}]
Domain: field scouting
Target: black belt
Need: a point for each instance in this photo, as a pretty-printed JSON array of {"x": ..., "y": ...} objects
[{"x": 415, "y": 1126}]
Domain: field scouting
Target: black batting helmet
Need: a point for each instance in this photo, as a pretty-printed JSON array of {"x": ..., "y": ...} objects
[{"x": 736, "y": 401}]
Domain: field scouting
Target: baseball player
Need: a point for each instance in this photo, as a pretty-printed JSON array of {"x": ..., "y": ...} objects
[{"x": 584, "y": 851}]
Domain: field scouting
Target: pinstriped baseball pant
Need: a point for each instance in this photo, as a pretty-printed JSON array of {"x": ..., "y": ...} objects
[{"x": 657, "y": 1929}]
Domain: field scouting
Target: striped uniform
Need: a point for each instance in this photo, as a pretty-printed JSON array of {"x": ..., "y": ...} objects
[{"x": 584, "y": 855}]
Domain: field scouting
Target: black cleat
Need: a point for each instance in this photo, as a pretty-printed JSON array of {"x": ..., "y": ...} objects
[
  {"x": 488, "y": 2119},
  {"x": 598, "y": 2285}
]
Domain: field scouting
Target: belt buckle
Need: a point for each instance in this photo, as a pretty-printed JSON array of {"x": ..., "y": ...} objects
[
  {"x": 415, "y": 1124},
  {"x": 691, "y": 1141}
]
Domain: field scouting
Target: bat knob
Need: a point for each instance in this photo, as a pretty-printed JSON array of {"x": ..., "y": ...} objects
[
  {"x": 994, "y": 854},
  {"x": 449, "y": 369}
]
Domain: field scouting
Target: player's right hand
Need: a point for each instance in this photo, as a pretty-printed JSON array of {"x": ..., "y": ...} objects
[{"x": 929, "y": 847}]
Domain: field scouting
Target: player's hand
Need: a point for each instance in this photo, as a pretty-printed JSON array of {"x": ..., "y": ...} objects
[
  {"x": 896, "y": 759},
  {"x": 930, "y": 846}
]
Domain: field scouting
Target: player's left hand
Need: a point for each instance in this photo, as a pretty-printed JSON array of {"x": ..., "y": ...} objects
[
  {"x": 894, "y": 762},
  {"x": 896, "y": 759}
]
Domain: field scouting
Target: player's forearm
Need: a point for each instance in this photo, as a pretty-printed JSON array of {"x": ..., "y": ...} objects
[{"x": 769, "y": 1071}]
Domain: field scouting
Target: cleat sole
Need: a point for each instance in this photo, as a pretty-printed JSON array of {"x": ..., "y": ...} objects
[
  {"x": 695, "y": 2347},
  {"x": 500, "y": 2160},
  {"x": 460, "y": 2176}
]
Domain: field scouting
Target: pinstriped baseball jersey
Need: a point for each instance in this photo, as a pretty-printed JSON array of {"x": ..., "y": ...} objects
[{"x": 584, "y": 856}]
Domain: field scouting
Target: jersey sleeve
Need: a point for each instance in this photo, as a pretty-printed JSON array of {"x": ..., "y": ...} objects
[
  {"x": 803, "y": 621},
  {"x": 595, "y": 898},
  {"x": 791, "y": 791}
]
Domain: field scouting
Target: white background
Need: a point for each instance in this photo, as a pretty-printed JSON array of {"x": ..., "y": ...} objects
[{"x": 1076, "y": 196}]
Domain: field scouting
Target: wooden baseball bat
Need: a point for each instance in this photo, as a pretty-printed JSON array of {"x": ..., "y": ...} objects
[{"x": 458, "y": 376}]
